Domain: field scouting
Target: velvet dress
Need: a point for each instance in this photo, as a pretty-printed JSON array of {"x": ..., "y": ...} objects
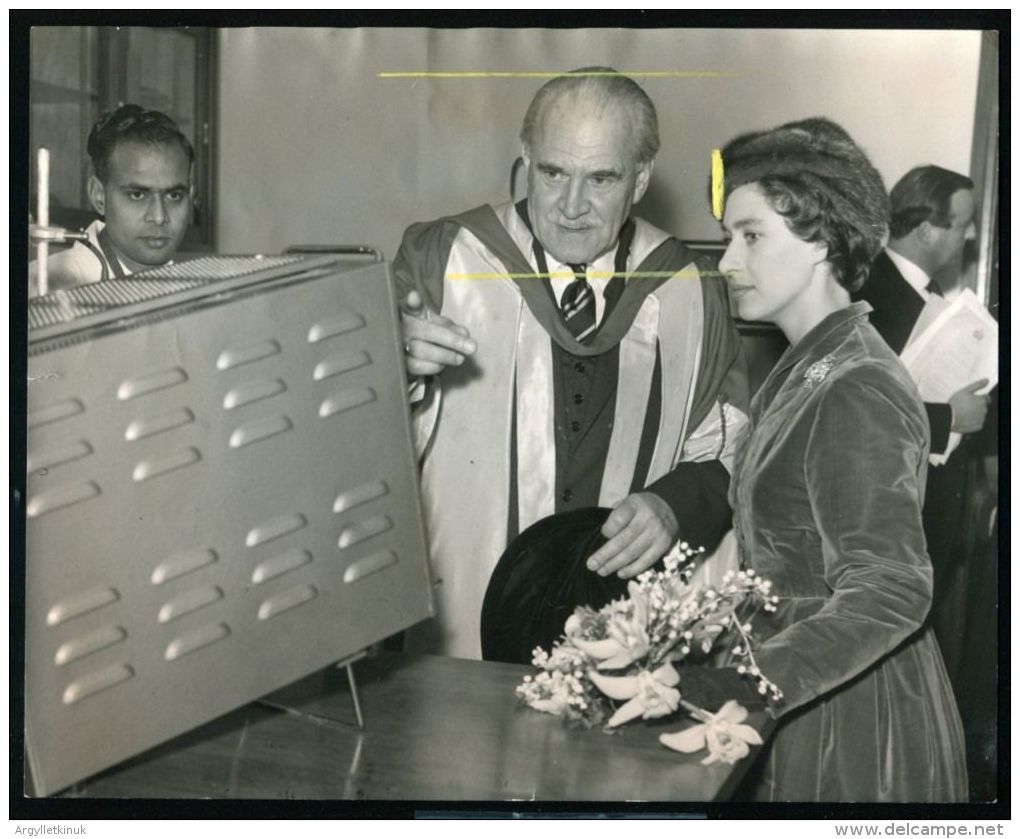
[{"x": 827, "y": 494}]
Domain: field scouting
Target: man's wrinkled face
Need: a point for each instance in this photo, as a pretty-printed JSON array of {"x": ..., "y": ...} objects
[
  {"x": 146, "y": 201},
  {"x": 582, "y": 178}
]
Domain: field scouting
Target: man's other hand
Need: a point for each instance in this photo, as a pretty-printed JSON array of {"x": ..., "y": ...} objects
[
  {"x": 641, "y": 529},
  {"x": 969, "y": 409},
  {"x": 431, "y": 341}
]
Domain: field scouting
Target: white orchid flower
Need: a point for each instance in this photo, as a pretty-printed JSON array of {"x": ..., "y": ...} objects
[
  {"x": 572, "y": 626},
  {"x": 722, "y": 733},
  {"x": 650, "y": 695},
  {"x": 628, "y": 637}
]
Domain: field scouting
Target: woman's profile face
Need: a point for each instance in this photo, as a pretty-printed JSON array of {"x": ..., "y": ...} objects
[{"x": 769, "y": 270}]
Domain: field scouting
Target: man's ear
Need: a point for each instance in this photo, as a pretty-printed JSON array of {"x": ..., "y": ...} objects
[
  {"x": 644, "y": 177},
  {"x": 97, "y": 195},
  {"x": 925, "y": 232}
]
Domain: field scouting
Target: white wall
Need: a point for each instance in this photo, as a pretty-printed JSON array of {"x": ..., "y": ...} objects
[{"x": 315, "y": 147}]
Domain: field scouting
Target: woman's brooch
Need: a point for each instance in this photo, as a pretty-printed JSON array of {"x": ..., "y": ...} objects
[{"x": 818, "y": 371}]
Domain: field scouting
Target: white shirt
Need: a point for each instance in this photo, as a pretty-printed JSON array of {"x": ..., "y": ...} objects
[
  {"x": 598, "y": 273},
  {"x": 73, "y": 266},
  {"x": 912, "y": 273}
]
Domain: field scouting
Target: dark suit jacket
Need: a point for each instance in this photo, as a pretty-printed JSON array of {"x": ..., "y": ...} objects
[
  {"x": 950, "y": 514},
  {"x": 897, "y": 306}
]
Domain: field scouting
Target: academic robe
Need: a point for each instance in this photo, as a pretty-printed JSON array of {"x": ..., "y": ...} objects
[{"x": 490, "y": 430}]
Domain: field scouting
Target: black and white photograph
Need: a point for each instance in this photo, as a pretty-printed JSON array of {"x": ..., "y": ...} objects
[{"x": 488, "y": 416}]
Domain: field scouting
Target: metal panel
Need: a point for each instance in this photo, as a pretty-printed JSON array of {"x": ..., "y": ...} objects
[{"x": 221, "y": 499}]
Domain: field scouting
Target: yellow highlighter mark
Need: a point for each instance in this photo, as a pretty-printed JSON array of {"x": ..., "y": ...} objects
[
  {"x": 516, "y": 74},
  {"x": 718, "y": 184},
  {"x": 684, "y": 273}
]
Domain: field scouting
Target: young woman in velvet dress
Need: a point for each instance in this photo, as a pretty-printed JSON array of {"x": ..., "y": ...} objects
[{"x": 827, "y": 490}]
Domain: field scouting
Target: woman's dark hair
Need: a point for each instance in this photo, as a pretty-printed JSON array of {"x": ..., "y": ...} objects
[
  {"x": 815, "y": 176},
  {"x": 135, "y": 124}
]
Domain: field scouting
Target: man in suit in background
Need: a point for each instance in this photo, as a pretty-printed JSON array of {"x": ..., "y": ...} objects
[{"x": 932, "y": 217}]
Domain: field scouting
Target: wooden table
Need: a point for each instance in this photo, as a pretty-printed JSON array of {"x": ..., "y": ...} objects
[{"x": 435, "y": 729}]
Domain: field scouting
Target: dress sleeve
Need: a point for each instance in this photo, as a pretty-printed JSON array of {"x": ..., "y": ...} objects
[{"x": 864, "y": 465}]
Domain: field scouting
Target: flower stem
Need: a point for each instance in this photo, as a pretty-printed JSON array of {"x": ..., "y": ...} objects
[{"x": 695, "y": 711}]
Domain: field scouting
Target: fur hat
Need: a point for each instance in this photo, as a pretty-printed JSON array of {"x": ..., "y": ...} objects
[{"x": 840, "y": 196}]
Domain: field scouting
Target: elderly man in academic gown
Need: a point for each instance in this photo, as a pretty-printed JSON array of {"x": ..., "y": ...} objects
[{"x": 565, "y": 354}]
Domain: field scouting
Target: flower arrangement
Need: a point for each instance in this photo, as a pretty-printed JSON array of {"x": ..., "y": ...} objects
[{"x": 615, "y": 664}]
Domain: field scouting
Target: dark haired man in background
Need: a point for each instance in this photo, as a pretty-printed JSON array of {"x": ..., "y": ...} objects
[
  {"x": 932, "y": 217},
  {"x": 140, "y": 183}
]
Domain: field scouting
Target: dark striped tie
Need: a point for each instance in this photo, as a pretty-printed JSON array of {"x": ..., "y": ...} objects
[
  {"x": 578, "y": 305},
  {"x": 933, "y": 288}
]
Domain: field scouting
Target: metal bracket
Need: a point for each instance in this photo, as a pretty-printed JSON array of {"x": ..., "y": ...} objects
[
  {"x": 344, "y": 663},
  {"x": 342, "y": 250}
]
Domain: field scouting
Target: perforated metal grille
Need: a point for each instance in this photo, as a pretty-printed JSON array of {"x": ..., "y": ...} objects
[
  {"x": 66, "y": 305},
  {"x": 219, "y": 267}
]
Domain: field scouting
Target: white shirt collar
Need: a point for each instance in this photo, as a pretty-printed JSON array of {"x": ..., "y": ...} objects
[
  {"x": 599, "y": 273},
  {"x": 93, "y": 230},
  {"x": 911, "y": 271}
]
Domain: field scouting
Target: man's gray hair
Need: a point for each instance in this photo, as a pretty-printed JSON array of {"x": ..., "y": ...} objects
[{"x": 605, "y": 86}]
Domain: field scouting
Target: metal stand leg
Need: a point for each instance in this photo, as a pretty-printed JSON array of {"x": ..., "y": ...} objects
[
  {"x": 283, "y": 700},
  {"x": 354, "y": 695}
]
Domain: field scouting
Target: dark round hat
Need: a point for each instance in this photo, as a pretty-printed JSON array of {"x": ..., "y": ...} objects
[{"x": 539, "y": 581}]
